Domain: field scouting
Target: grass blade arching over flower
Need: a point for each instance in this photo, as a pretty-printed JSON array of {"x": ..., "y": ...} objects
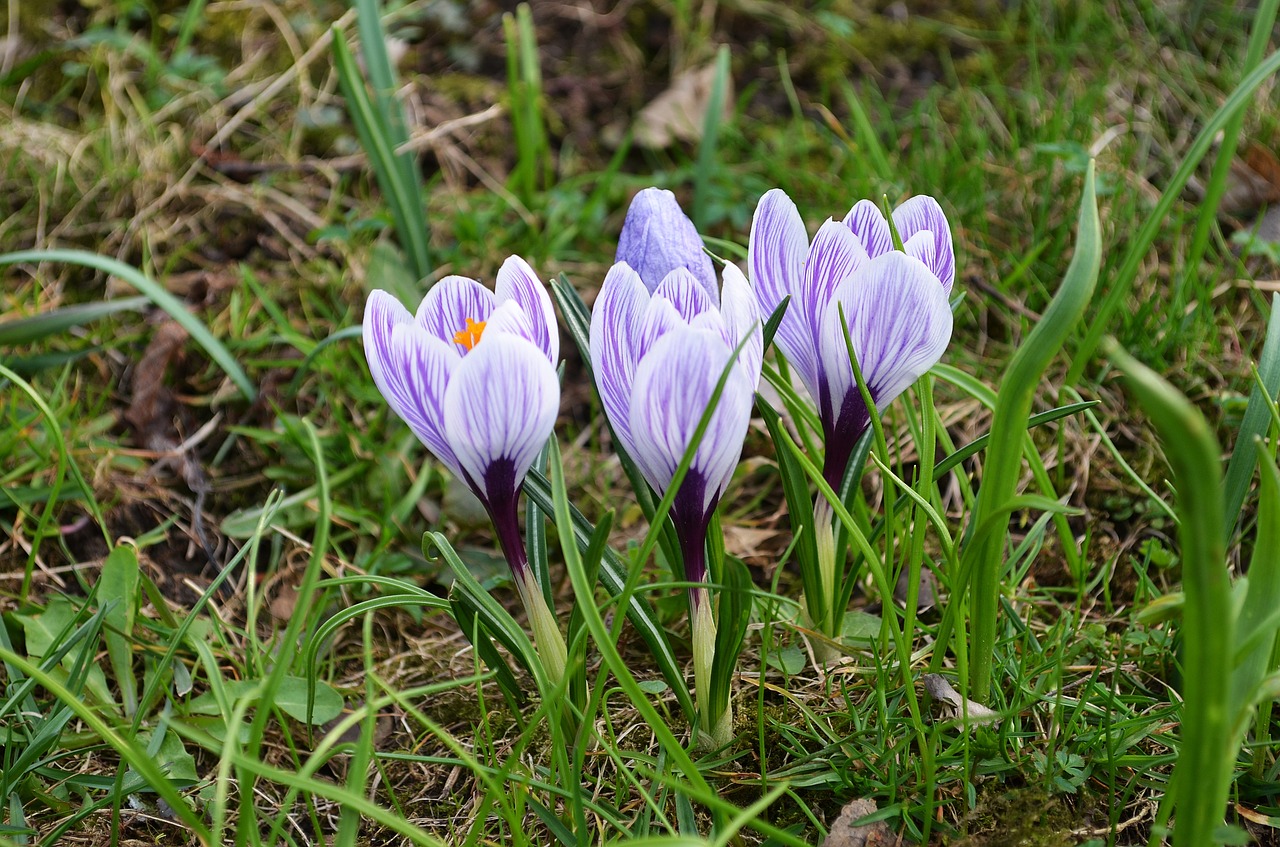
[
  {"x": 472, "y": 374},
  {"x": 661, "y": 337},
  {"x": 894, "y": 303}
]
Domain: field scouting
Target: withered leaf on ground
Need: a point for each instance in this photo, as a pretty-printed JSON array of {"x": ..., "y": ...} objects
[
  {"x": 680, "y": 112},
  {"x": 940, "y": 689},
  {"x": 845, "y": 832}
]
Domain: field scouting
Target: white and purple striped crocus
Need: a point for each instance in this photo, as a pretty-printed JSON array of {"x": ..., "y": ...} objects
[
  {"x": 662, "y": 333},
  {"x": 473, "y": 375},
  {"x": 894, "y": 303}
]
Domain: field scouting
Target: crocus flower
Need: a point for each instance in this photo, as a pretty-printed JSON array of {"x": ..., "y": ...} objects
[
  {"x": 894, "y": 303},
  {"x": 661, "y": 336},
  {"x": 472, "y": 374}
]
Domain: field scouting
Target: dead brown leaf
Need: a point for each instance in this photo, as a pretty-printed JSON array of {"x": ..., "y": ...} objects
[
  {"x": 846, "y": 833},
  {"x": 747, "y": 542},
  {"x": 939, "y": 689},
  {"x": 1253, "y": 182},
  {"x": 680, "y": 112}
]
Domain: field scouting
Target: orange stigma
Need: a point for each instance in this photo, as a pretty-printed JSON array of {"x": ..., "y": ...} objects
[{"x": 470, "y": 336}]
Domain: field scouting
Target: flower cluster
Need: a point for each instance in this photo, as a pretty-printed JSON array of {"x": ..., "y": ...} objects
[{"x": 677, "y": 358}]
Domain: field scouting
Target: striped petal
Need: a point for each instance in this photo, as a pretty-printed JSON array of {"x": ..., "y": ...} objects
[
  {"x": 899, "y": 325},
  {"x": 922, "y": 213},
  {"x": 776, "y": 257},
  {"x": 866, "y": 221},
  {"x": 685, "y": 292},
  {"x": 499, "y": 410},
  {"x": 616, "y": 321},
  {"x": 657, "y": 237},
  {"x": 673, "y": 386},
  {"x": 741, "y": 316},
  {"x": 412, "y": 369},
  {"x": 835, "y": 254},
  {"x": 517, "y": 281},
  {"x": 448, "y": 305}
]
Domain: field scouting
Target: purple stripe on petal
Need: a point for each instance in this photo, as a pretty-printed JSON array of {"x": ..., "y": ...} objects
[
  {"x": 741, "y": 316},
  {"x": 382, "y": 314},
  {"x": 776, "y": 250},
  {"x": 776, "y": 257},
  {"x": 445, "y": 309},
  {"x": 616, "y": 320},
  {"x": 657, "y": 237},
  {"x": 867, "y": 222},
  {"x": 835, "y": 254},
  {"x": 517, "y": 281},
  {"x": 899, "y": 323},
  {"x": 512, "y": 319},
  {"x": 418, "y": 371},
  {"x": 684, "y": 291},
  {"x": 673, "y": 386},
  {"x": 920, "y": 246},
  {"x": 660, "y": 317},
  {"x": 500, "y": 406},
  {"x": 922, "y": 212}
]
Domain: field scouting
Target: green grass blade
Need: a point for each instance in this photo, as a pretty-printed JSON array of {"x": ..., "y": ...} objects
[
  {"x": 1205, "y": 760},
  {"x": 375, "y": 120},
  {"x": 1008, "y": 424},
  {"x": 1257, "y": 621},
  {"x": 709, "y": 145},
  {"x": 585, "y": 596},
  {"x": 732, "y": 617},
  {"x": 126, "y": 746},
  {"x": 1256, "y": 420},
  {"x": 37, "y": 327},
  {"x": 154, "y": 292}
]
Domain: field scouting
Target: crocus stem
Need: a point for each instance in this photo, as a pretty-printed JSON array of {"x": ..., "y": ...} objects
[{"x": 542, "y": 620}]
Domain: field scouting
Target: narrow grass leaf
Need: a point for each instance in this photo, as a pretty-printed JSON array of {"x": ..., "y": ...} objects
[
  {"x": 795, "y": 489},
  {"x": 732, "y": 617},
  {"x": 1256, "y": 420},
  {"x": 154, "y": 292},
  {"x": 464, "y": 612},
  {"x": 37, "y": 327},
  {"x": 496, "y": 620},
  {"x": 709, "y": 144},
  {"x": 1264, "y": 21},
  {"x": 585, "y": 596},
  {"x": 1260, "y": 612},
  {"x": 126, "y": 746},
  {"x": 613, "y": 576},
  {"x": 376, "y": 120},
  {"x": 304, "y": 367}
]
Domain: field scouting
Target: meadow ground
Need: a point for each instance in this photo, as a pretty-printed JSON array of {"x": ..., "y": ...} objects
[{"x": 196, "y": 467}]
